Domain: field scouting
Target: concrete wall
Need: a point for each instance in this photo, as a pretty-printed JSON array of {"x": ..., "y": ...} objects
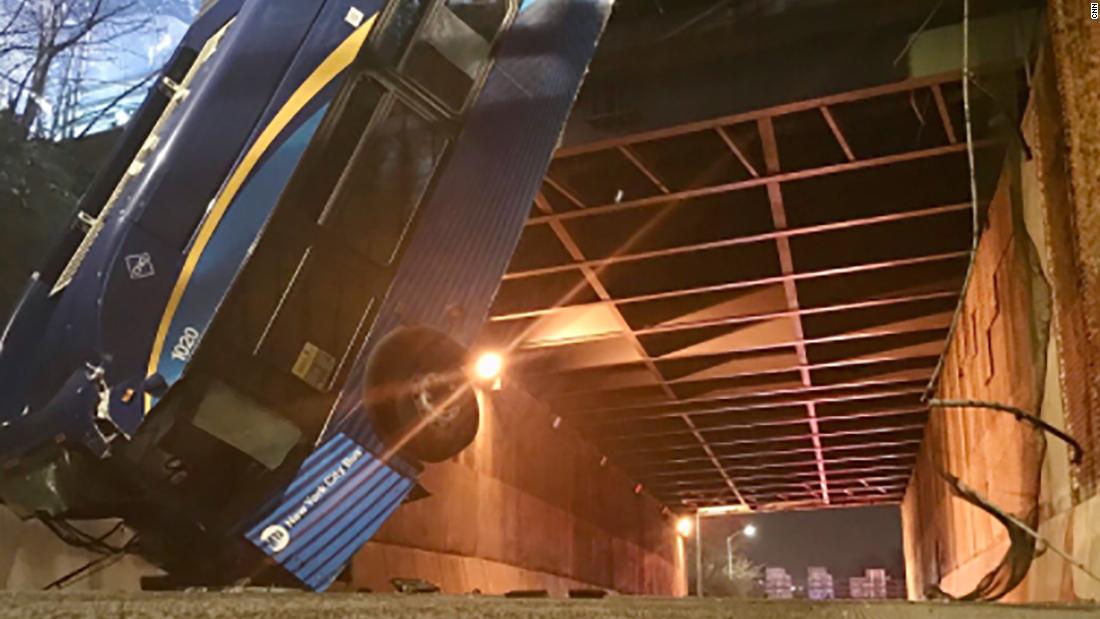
[
  {"x": 527, "y": 507},
  {"x": 1025, "y": 338},
  {"x": 31, "y": 558}
]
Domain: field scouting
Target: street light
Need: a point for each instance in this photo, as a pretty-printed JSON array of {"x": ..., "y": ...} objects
[
  {"x": 489, "y": 366},
  {"x": 685, "y": 526},
  {"x": 749, "y": 531}
]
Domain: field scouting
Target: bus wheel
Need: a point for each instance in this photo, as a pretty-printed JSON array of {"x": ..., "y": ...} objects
[{"x": 419, "y": 396}]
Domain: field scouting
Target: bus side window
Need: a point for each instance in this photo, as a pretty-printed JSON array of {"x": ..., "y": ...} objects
[
  {"x": 337, "y": 140},
  {"x": 384, "y": 183},
  {"x": 453, "y": 49},
  {"x": 486, "y": 17}
]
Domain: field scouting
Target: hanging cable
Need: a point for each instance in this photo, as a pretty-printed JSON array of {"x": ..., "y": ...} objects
[
  {"x": 1022, "y": 533},
  {"x": 1021, "y": 415},
  {"x": 77, "y": 538},
  {"x": 975, "y": 218},
  {"x": 93, "y": 567}
]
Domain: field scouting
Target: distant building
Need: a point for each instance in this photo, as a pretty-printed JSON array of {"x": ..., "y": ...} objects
[
  {"x": 778, "y": 584},
  {"x": 871, "y": 586},
  {"x": 819, "y": 584}
]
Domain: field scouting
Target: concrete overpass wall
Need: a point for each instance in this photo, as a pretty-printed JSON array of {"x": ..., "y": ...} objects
[
  {"x": 527, "y": 506},
  {"x": 1004, "y": 351},
  {"x": 31, "y": 558}
]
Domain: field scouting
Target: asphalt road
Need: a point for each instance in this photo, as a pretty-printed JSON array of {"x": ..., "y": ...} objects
[{"x": 279, "y": 605}]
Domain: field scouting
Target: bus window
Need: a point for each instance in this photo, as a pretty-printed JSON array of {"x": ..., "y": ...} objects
[
  {"x": 384, "y": 183},
  {"x": 486, "y": 17},
  {"x": 318, "y": 318},
  {"x": 338, "y": 139},
  {"x": 453, "y": 51},
  {"x": 390, "y": 43}
]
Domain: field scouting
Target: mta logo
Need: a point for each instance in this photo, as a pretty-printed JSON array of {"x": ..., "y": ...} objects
[{"x": 275, "y": 537}]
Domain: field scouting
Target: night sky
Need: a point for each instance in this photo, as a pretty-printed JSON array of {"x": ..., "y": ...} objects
[{"x": 846, "y": 541}]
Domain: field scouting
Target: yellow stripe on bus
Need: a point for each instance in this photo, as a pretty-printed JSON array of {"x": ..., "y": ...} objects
[{"x": 332, "y": 66}]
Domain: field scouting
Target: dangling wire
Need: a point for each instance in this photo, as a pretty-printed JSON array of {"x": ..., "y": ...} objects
[
  {"x": 1021, "y": 415},
  {"x": 1023, "y": 536},
  {"x": 77, "y": 538},
  {"x": 99, "y": 563},
  {"x": 975, "y": 218}
]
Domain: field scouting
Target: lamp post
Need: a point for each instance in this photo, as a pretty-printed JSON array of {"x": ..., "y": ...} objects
[
  {"x": 748, "y": 531},
  {"x": 698, "y": 555}
]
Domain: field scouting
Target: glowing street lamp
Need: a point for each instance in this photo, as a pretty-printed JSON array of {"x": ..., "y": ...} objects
[
  {"x": 488, "y": 366},
  {"x": 749, "y": 531},
  {"x": 488, "y": 369},
  {"x": 685, "y": 526}
]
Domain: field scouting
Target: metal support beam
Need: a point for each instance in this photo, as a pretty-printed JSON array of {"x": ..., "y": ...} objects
[
  {"x": 874, "y": 478},
  {"x": 780, "y": 398},
  {"x": 782, "y": 497},
  {"x": 848, "y": 362},
  {"x": 893, "y": 470},
  {"x": 747, "y": 283},
  {"x": 565, "y": 192},
  {"x": 758, "y": 441},
  {"x": 666, "y": 464},
  {"x": 774, "y": 235},
  {"x": 875, "y": 414},
  {"x": 753, "y": 115},
  {"x": 784, "y": 177},
  {"x": 837, "y": 133},
  {"x": 593, "y": 280},
  {"x": 737, "y": 152},
  {"x": 633, "y": 158},
  {"x": 945, "y": 117},
  {"x": 786, "y": 262}
]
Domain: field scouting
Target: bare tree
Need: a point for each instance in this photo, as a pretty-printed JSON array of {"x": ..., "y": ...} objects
[
  {"x": 726, "y": 574},
  {"x": 45, "y": 46}
]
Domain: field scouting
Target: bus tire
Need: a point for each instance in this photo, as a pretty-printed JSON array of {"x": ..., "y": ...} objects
[{"x": 419, "y": 396}]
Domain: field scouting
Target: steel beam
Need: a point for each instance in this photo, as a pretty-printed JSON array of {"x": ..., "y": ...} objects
[
  {"x": 593, "y": 280},
  {"x": 733, "y": 427},
  {"x": 775, "y": 235},
  {"x": 565, "y": 192},
  {"x": 756, "y": 441},
  {"x": 837, "y": 133},
  {"x": 945, "y": 116},
  {"x": 851, "y": 362},
  {"x": 750, "y": 488},
  {"x": 672, "y": 327},
  {"x": 753, "y": 115},
  {"x": 741, "y": 284},
  {"x": 839, "y": 475},
  {"x": 665, "y": 463},
  {"x": 778, "y": 398},
  {"x": 786, "y": 264},
  {"x": 633, "y": 158},
  {"x": 783, "y": 177},
  {"x": 737, "y": 152}
]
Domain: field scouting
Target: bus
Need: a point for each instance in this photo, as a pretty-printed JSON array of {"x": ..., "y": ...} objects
[{"x": 254, "y": 335}]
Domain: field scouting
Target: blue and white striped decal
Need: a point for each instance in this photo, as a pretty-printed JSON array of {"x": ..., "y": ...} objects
[{"x": 341, "y": 496}]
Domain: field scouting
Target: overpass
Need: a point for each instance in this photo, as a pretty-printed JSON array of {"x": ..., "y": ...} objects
[{"x": 772, "y": 234}]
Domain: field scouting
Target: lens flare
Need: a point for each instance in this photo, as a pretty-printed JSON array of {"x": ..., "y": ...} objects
[
  {"x": 489, "y": 366},
  {"x": 685, "y": 526}
]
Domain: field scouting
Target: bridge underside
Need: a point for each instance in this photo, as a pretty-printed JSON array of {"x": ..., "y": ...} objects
[{"x": 746, "y": 308}]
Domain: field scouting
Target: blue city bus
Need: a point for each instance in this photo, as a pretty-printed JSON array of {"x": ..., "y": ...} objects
[{"x": 254, "y": 335}]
